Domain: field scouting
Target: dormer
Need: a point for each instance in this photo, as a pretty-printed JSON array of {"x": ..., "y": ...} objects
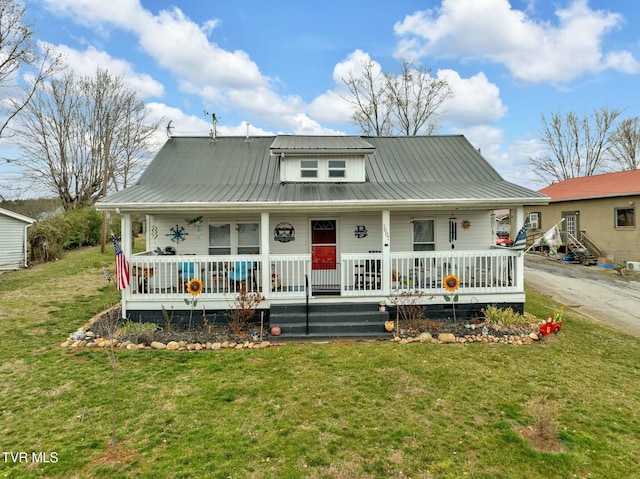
[{"x": 321, "y": 159}]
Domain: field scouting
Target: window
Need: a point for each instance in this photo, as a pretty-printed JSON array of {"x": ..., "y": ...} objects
[
  {"x": 534, "y": 221},
  {"x": 245, "y": 241},
  {"x": 625, "y": 217},
  {"x": 248, "y": 238},
  {"x": 309, "y": 169},
  {"x": 219, "y": 239},
  {"x": 337, "y": 168},
  {"x": 424, "y": 238}
]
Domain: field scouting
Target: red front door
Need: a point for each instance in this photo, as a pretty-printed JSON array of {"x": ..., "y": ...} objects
[{"x": 323, "y": 244}]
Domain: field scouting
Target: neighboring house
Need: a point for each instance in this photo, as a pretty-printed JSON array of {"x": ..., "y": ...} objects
[
  {"x": 13, "y": 240},
  {"x": 342, "y": 219},
  {"x": 599, "y": 211}
]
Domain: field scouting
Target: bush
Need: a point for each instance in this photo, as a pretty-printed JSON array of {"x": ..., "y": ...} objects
[{"x": 63, "y": 231}]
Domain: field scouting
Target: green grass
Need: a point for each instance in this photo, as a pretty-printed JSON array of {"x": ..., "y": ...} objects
[{"x": 360, "y": 410}]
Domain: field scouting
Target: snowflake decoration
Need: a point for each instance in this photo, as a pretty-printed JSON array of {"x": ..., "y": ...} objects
[{"x": 177, "y": 234}]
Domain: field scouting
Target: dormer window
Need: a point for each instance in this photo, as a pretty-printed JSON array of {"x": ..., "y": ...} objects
[
  {"x": 321, "y": 159},
  {"x": 309, "y": 169},
  {"x": 337, "y": 168}
]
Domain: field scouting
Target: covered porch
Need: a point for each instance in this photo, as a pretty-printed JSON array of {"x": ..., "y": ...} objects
[{"x": 485, "y": 275}]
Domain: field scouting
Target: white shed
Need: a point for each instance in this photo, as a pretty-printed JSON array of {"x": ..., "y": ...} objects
[{"x": 13, "y": 239}]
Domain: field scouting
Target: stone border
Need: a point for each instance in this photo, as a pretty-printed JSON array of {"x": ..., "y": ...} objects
[{"x": 83, "y": 339}]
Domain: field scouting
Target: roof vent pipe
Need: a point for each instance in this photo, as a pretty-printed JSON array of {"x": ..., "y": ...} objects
[{"x": 247, "y": 137}]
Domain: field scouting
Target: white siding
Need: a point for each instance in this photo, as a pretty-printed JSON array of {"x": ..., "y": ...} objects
[
  {"x": 12, "y": 241},
  {"x": 478, "y": 236},
  {"x": 355, "y": 168}
]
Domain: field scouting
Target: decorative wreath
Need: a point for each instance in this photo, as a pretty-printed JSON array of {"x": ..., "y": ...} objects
[{"x": 465, "y": 224}]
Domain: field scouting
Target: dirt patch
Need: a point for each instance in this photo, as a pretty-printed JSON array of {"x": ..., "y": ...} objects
[{"x": 538, "y": 441}]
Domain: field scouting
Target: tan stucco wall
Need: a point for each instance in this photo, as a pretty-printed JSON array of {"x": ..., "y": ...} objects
[{"x": 597, "y": 220}]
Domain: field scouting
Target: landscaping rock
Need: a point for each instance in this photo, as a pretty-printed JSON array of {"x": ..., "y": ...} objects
[
  {"x": 158, "y": 345},
  {"x": 446, "y": 338},
  {"x": 173, "y": 345},
  {"x": 425, "y": 337}
]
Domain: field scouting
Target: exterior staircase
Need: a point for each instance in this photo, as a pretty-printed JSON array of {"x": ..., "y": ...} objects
[
  {"x": 328, "y": 321},
  {"x": 581, "y": 252}
]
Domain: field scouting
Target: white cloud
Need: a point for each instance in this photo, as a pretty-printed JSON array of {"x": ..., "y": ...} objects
[
  {"x": 85, "y": 63},
  {"x": 533, "y": 50},
  {"x": 476, "y": 100}
]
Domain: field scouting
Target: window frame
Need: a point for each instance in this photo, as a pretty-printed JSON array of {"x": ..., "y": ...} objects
[
  {"x": 336, "y": 169},
  {"x": 616, "y": 217},
  {"x": 234, "y": 247},
  {"x": 426, "y": 243},
  {"x": 534, "y": 225},
  {"x": 310, "y": 170}
]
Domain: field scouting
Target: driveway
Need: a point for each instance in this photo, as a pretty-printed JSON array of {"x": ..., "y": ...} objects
[{"x": 598, "y": 293}]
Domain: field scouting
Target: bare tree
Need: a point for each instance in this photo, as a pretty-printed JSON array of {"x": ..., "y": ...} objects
[
  {"x": 385, "y": 104},
  {"x": 82, "y": 136},
  {"x": 625, "y": 145},
  {"x": 416, "y": 99},
  {"x": 575, "y": 146},
  {"x": 369, "y": 99},
  {"x": 23, "y": 65}
]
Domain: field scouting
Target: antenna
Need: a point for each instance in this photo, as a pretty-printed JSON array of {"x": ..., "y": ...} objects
[
  {"x": 247, "y": 137},
  {"x": 214, "y": 122},
  {"x": 169, "y": 127}
]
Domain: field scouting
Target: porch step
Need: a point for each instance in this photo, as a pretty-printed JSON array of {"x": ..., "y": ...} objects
[{"x": 328, "y": 321}]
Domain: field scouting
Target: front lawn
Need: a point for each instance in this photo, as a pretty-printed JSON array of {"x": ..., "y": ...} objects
[{"x": 337, "y": 410}]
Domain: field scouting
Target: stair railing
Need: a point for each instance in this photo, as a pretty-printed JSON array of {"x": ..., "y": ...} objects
[
  {"x": 306, "y": 289},
  {"x": 592, "y": 246}
]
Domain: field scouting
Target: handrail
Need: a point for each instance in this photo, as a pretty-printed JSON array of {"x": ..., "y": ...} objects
[
  {"x": 306, "y": 288},
  {"x": 591, "y": 244}
]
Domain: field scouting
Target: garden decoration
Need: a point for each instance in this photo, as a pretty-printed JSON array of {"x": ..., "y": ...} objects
[
  {"x": 553, "y": 323},
  {"x": 197, "y": 223},
  {"x": 194, "y": 287},
  {"x": 177, "y": 234},
  {"x": 451, "y": 283}
]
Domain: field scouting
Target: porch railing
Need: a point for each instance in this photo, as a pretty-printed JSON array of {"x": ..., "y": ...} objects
[
  {"x": 478, "y": 271},
  {"x": 484, "y": 271}
]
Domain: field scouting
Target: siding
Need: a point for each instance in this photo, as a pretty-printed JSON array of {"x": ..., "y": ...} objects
[
  {"x": 480, "y": 235},
  {"x": 12, "y": 240}
]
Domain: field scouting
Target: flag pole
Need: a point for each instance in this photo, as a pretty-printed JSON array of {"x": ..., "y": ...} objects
[{"x": 537, "y": 242}]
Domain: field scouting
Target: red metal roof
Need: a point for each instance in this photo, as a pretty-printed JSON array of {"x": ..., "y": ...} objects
[{"x": 622, "y": 183}]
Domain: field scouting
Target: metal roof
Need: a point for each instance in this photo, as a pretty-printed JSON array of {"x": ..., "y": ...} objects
[
  {"x": 320, "y": 144},
  {"x": 239, "y": 172}
]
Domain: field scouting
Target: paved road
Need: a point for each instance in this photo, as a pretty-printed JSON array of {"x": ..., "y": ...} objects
[{"x": 597, "y": 293}]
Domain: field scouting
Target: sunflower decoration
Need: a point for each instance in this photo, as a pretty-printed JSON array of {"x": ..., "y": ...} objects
[
  {"x": 451, "y": 283},
  {"x": 194, "y": 287}
]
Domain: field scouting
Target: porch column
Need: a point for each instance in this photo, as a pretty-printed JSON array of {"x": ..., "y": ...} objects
[
  {"x": 386, "y": 252},
  {"x": 265, "y": 238},
  {"x": 127, "y": 248},
  {"x": 519, "y": 219}
]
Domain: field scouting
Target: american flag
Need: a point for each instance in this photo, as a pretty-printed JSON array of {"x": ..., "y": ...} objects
[
  {"x": 521, "y": 239},
  {"x": 122, "y": 266}
]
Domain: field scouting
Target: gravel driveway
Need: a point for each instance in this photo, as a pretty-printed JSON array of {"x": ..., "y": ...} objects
[{"x": 598, "y": 293}]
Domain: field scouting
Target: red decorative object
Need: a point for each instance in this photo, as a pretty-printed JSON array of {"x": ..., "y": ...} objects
[
  {"x": 276, "y": 331},
  {"x": 549, "y": 327}
]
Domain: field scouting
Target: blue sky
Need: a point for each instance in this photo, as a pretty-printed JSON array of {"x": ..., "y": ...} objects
[{"x": 279, "y": 65}]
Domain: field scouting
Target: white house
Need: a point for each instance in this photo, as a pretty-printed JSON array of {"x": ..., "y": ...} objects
[
  {"x": 13, "y": 239},
  {"x": 320, "y": 221}
]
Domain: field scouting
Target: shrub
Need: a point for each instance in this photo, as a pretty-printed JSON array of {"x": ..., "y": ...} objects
[
  {"x": 63, "y": 231},
  {"x": 505, "y": 317}
]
